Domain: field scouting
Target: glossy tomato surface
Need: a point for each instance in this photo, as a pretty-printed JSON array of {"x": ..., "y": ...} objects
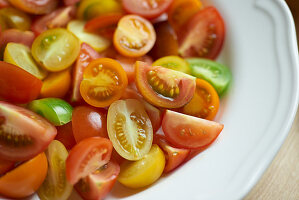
[
  {"x": 35, "y": 7},
  {"x": 65, "y": 135}
]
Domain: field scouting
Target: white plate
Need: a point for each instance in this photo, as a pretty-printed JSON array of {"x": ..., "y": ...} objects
[{"x": 257, "y": 114}]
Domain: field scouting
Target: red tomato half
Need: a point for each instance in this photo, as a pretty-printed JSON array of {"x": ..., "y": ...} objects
[
  {"x": 189, "y": 132},
  {"x": 86, "y": 157},
  {"x": 146, "y": 8},
  {"x": 23, "y": 134},
  {"x": 17, "y": 85},
  {"x": 204, "y": 35},
  {"x": 98, "y": 184}
]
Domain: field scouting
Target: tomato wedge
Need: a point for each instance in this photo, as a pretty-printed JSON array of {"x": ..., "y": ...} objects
[
  {"x": 129, "y": 129},
  {"x": 189, "y": 132},
  {"x": 146, "y": 8},
  {"x": 35, "y": 7},
  {"x": 104, "y": 82},
  {"x": 204, "y": 35},
  {"x": 23, "y": 134},
  {"x": 86, "y": 157},
  {"x": 164, "y": 87}
]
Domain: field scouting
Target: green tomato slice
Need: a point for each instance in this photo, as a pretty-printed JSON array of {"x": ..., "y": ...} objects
[
  {"x": 218, "y": 75},
  {"x": 55, "y": 110},
  {"x": 173, "y": 62}
]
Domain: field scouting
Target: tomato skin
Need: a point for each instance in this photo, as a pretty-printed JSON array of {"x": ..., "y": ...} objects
[
  {"x": 34, "y": 133},
  {"x": 70, "y": 2},
  {"x": 5, "y": 166},
  {"x": 35, "y": 7},
  {"x": 98, "y": 184},
  {"x": 91, "y": 153},
  {"x": 86, "y": 55},
  {"x": 189, "y": 132},
  {"x": 17, "y": 85},
  {"x": 16, "y": 36},
  {"x": 147, "y": 9},
  {"x": 14, "y": 18},
  {"x": 65, "y": 135},
  {"x": 88, "y": 122},
  {"x": 4, "y": 4},
  {"x": 209, "y": 40},
  {"x": 24, "y": 179}
]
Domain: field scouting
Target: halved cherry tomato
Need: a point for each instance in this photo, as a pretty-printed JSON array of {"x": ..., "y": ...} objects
[
  {"x": 14, "y": 18},
  {"x": 173, "y": 62},
  {"x": 181, "y": 11},
  {"x": 204, "y": 35},
  {"x": 104, "y": 82},
  {"x": 134, "y": 36},
  {"x": 65, "y": 135},
  {"x": 166, "y": 43},
  {"x": 23, "y": 134},
  {"x": 99, "y": 183},
  {"x": 56, "y": 84},
  {"x": 56, "y": 19},
  {"x": 174, "y": 156},
  {"x": 189, "y": 132},
  {"x": 25, "y": 179},
  {"x": 205, "y": 102},
  {"x": 17, "y": 85},
  {"x": 35, "y": 7},
  {"x": 143, "y": 172},
  {"x": 164, "y": 87},
  {"x": 55, "y": 186},
  {"x": 56, "y": 49},
  {"x": 146, "y": 8},
  {"x": 86, "y": 157},
  {"x": 89, "y": 122},
  {"x": 86, "y": 55},
  {"x": 129, "y": 128},
  {"x": 5, "y": 166}
]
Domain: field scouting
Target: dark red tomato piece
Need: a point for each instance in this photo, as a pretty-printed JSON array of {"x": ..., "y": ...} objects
[
  {"x": 88, "y": 122},
  {"x": 189, "y": 132},
  {"x": 65, "y": 135},
  {"x": 35, "y": 6},
  {"x": 70, "y": 2},
  {"x": 174, "y": 156},
  {"x": 86, "y": 55},
  {"x": 23, "y": 133},
  {"x": 5, "y": 166},
  {"x": 87, "y": 157},
  {"x": 17, "y": 85},
  {"x": 146, "y": 8},
  {"x": 204, "y": 35},
  {"x": 56, "y": 19},
  {"x": 16, "y": 36},
  {"x": 4, "y": 3},
  {"x": 98, "y": 184}
]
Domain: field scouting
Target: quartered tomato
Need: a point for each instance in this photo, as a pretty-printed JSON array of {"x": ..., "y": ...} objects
[
  {"x": 35, "y": 7},
  {"x": 134, "y": 36},
  {"x": 174, "y": 156},
  {"x": 204, "y": 35},
  {"x": 86, "y": 55},
  {"x": 164, "y": 87},
  {"x": 65, "y": 135},
  {"x": 56, "y": 49},
  {"x": 5, "y": 166},
  {"x": 129, "y": 129},
  {"x": 166, "y": 43},
  {"x": 104, "y": 82},
  {"x": 189, "y": 132},
  {"x": 25, "y": 179},
  {"x": 173, "y": 62},
  {"x": 86, "y": 157},
  {"x": 23, "y": 134},
  {"x": 205, "y": 102},
  {"x": 56, "y": 19},
  {"x": 99, "y": 183},
  {"x": 55, "y": 186},
  {"x": 17, "y": 85},
  {"x": 143, "y": 172},
  {"x": 14, "y": 18},
  {"x": 89, "y": 122},
  {"x": 146, "y": 8}
]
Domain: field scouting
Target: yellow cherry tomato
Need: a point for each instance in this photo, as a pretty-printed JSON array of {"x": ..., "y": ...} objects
[
  {"x": 13, "y": 18},
  {"x": 56, "y": 84},
  {"x": 56, "y": 49},
  {"x": 20, "y": 55},
  {"x": 173, "y": 62},
  {"x": 143, "y": 172},
  {"x": 98, "y": 42}
]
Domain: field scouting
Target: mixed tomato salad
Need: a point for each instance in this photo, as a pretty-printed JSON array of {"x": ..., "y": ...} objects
[{"x": 98, "y": 91}]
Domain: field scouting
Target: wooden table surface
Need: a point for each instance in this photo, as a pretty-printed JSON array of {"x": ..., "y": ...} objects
[{"x": 281, "y": 179}]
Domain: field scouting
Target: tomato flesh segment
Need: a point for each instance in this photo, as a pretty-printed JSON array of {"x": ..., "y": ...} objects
[{"x": 189, "y": 132}]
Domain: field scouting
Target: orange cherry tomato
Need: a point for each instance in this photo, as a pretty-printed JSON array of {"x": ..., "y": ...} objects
[
  {"x": 35, "y": 7},
  {"x": 104, "y": 81},
  {"x": 56, "y": 84},
  {"x": 134, "y": 36},
  {"x": 205, "y": 102},
  {"x": 25, "y": 179}
]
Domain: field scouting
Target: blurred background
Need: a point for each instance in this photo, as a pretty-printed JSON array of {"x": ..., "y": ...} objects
[{"x": 294, "y": 6}]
